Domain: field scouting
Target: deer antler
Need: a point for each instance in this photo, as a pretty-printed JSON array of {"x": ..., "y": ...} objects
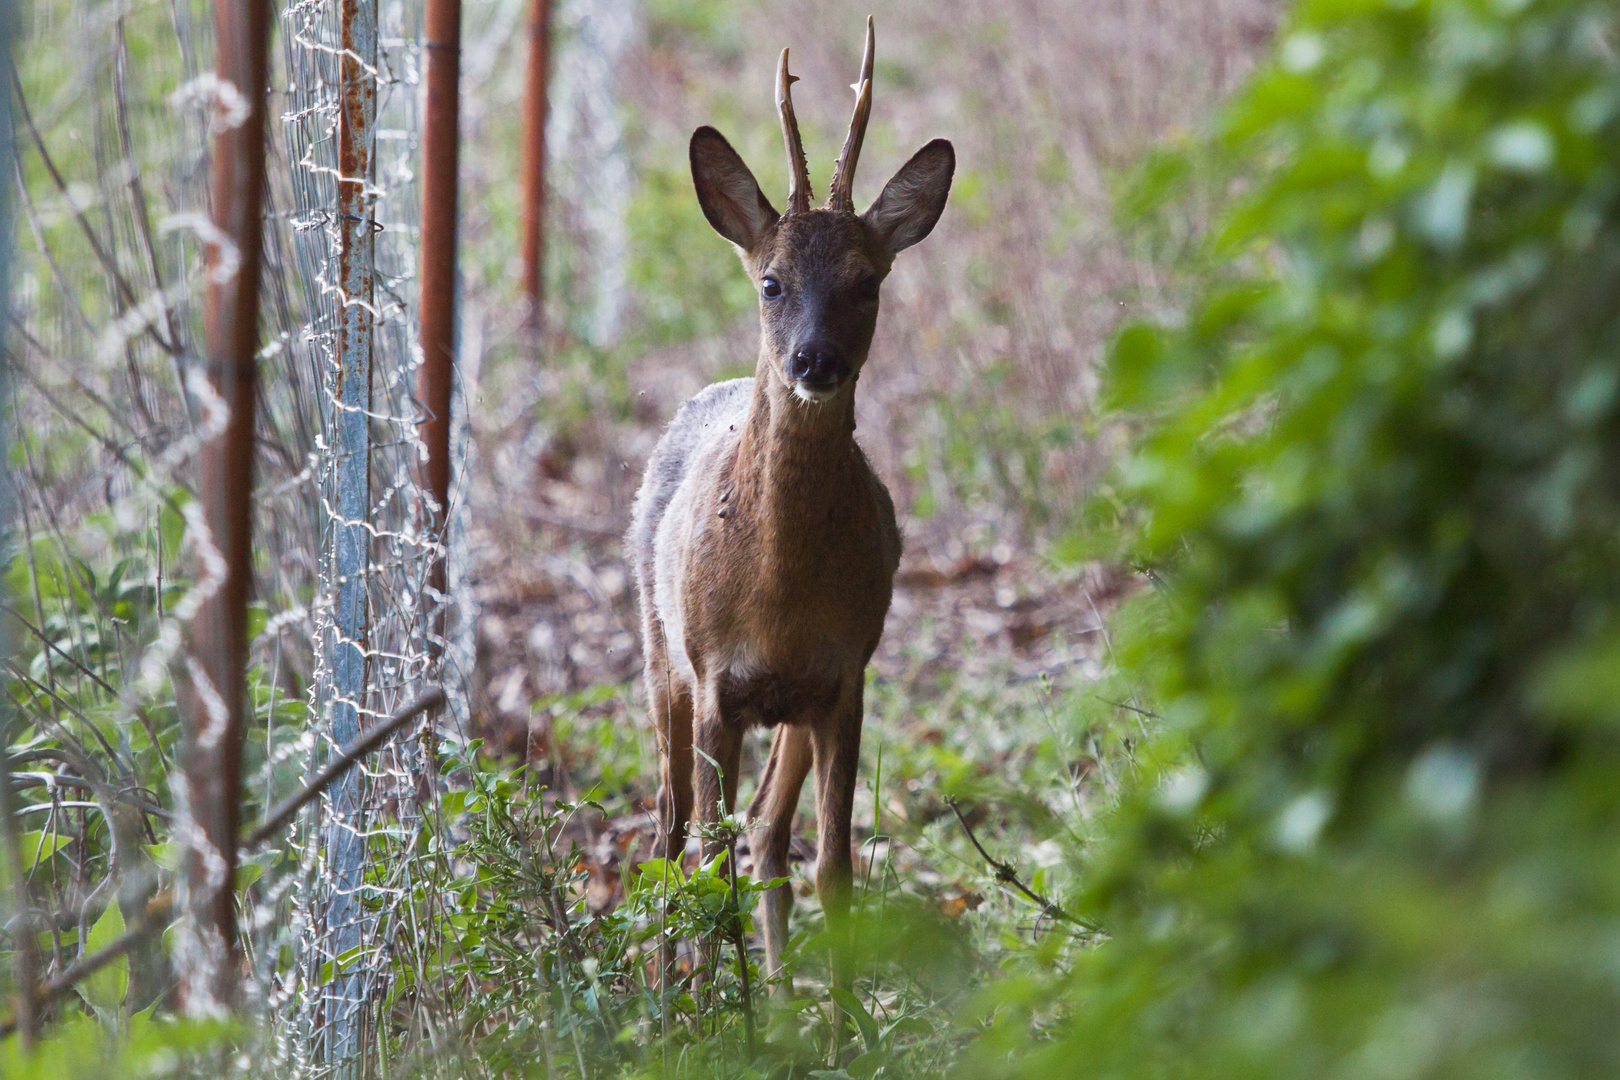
[
  {"x": 842, "y": 196},
  {"x": 798, "y": 170}
]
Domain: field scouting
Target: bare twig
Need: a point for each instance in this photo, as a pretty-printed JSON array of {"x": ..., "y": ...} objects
[
  {"x": 345, "y": 760},
  {"x": 122, "y": 288},
  {"x": 137, "y": 190},
  {"x": 21, "y": 782},
  {"x": 1008, "y": 875},
  {"x": 90, "y": 673},
  {"x": 60, "y": 702},
  {"x": 113, "y": 414},
  {"x": 31, "y": 215},
  {"x": 86, "y": 966},
  {"x": 1130, "y": 708}
]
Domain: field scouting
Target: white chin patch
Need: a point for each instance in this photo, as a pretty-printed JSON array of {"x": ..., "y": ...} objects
[{"x": 815, "y": 397}]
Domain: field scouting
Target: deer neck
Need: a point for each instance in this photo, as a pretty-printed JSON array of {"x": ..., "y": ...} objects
[{"x": 797, "y": 463}]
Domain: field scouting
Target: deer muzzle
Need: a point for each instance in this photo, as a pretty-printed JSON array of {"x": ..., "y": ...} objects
[{"x": 817, "y": 371}]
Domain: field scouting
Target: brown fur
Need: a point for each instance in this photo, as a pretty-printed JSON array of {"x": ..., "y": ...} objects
[{"x": 764, "y": 546}]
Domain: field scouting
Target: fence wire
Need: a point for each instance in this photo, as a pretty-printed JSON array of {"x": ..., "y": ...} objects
[
  {"x": 108, "y": 561},
  {"x": 353, "y": 247}
]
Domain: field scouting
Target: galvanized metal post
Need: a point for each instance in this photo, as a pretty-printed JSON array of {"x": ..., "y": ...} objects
[
  {"x": 23, "y": 1010},
  {"x": 438, "y": 268},
  {"x": 215, "y": 700},
  {"x": 345, "y": 845},
  {"x": 535, "y": 107}
]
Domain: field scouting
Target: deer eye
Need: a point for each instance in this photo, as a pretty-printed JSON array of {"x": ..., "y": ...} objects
[
  {"x": 868, "y": 288},
  {"x": 770, "y": 288}
]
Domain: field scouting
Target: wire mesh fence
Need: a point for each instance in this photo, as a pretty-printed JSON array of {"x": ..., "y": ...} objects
[
  {"x": 351, "y": 128},
  {"x": 110, "y": 558}
]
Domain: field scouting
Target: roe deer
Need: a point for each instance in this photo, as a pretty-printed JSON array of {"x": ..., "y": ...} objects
[{"x": 764, "y": 547}]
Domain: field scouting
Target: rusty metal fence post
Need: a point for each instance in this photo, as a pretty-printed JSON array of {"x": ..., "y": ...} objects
[
  {"x": 351, "y": 512},
  {"x": 535, "y": 107},
  {"x": 440, "y": 141},
  {"x": 215, "y": 697}
]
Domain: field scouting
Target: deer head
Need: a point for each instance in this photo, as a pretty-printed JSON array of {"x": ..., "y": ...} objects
[{"x": 819, "y": 271}]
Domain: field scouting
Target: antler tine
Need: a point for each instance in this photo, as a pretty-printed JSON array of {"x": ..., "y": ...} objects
[
  {"x": 842, "y": 196},
  {"x": 798, "y": 169}
]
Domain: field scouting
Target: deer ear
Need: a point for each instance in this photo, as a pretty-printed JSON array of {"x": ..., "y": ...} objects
[
  {"x": 727, "y": 191},
  {"x": 911, "y": 203}
]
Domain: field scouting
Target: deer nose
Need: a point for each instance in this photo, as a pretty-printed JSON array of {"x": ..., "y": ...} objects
[{"x": 818, "y": 366}]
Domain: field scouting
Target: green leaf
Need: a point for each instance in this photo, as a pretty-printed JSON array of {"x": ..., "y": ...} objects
[
  {"x": 258, "y": 617},
  {"x": 857, "y": 1012},
  {"x": 171, "y": 524},
  {"x": 37, "y": 848},
  {"x": 168, "y": 856},
  {"x": 908, "y": 1025},
  {"x": 652, "y": 875},
  {"x": 105, "y": 989},
  {"x": 868, "y": 1063},
  {"x": 332, "y": 968}
]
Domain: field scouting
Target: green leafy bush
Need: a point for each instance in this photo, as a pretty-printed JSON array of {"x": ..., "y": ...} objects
[{"x": 1379, "y": 493}]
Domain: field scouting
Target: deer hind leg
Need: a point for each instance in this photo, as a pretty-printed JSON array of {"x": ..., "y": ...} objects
[
  {"x": 774, "y": 804},
  {"x": 836, "y": 746},
  {"x": 671, "y": 705}
]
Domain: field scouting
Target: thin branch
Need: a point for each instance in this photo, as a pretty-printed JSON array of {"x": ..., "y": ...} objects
[
  {"x": 137, "y": 190},
  {"x": 1131, "y": 708},
  {"x": 23, "y": 781},
  {"x": 57, "y": 699},
  {"x": 114, "y": 415},
  {"x": 1008, "y": 875},
  {"x": 90, "y": 673},
  {"x": 371, "y": 740},
  {"x": 31, "y": 212},
  {"x": 125, "y": 292},
  {"x": 86, "y": 966}
]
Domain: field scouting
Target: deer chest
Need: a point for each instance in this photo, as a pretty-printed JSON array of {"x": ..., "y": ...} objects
[{"x": 767, "y": 699}]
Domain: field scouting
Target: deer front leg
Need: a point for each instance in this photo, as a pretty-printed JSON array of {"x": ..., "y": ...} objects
[
  {"x": 719, "y": 738},
  {"x": 720, "y": 744},
  {"x": 836, "y": 745},
  {"x": 774, "y": 803}
]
